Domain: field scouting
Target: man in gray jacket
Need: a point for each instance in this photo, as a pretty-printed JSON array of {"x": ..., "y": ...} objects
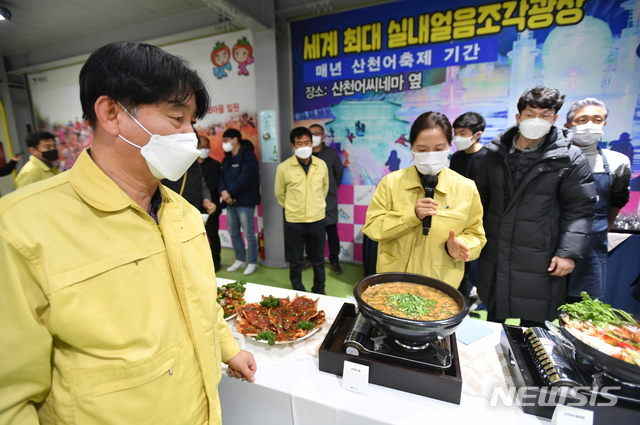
[
  {"x": 538, "y": 196},
  {"x": 334, "y": 164}
]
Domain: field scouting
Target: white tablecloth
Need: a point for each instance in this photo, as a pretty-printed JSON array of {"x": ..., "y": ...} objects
[{"x": 297, "y": 392}]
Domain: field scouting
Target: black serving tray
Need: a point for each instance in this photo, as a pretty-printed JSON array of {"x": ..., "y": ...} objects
[
  {"x": 524, "y": 374},
  {"x": 442, "y": 385}
]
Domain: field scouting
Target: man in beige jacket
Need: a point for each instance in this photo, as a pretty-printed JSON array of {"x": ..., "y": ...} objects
[
  {"x": 108, "y": 308},
  {"x": 41, "y": 164},
  {"x": 302, "y": 184}
]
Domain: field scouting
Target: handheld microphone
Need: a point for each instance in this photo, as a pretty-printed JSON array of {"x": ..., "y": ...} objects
[{"x": 429, "y": 182}]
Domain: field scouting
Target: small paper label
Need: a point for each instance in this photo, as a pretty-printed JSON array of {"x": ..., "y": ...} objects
[
  {"x": 567, "y": 415},
  {"x": 239, "y": 339},
  {"x": 355, "y": 377}
]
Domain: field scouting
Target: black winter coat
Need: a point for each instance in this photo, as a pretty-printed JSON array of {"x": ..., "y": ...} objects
[
  {"x": 334, "y": 164},
  {"x": 211, "y": 174},
  {"x": 549, "y": 214}
]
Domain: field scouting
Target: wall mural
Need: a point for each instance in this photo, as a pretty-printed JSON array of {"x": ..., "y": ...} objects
[{"x": 367, "y": 74}]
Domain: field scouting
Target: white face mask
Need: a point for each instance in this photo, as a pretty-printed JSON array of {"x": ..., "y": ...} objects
[
  {"x": 304, "y": 152},
  {"x": 204, "y": 153},
  {"x": 586, "y": 134},
  {"x": 227, "y": 146},
  {"x": 168, "y": 157},
  {"x": 463, "y": 143},
  {"x": 430, "y": 162},
  {"x": 316, "y": 140},
  {"x": 534, "y": 128}
]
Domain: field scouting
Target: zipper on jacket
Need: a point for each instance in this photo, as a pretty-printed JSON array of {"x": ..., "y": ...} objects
[{"x": 148, "y": 217}]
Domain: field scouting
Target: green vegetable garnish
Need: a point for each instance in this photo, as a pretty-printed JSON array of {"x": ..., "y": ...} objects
[
  {"x": 596, "y": 311},
  {"x": 268, "y": 336},
  {"x": 306, "y": 325},
  {"x": 411, "y": 305},
  {"x": 270, "y": 302},
  {"x": 238, "y": 288}
]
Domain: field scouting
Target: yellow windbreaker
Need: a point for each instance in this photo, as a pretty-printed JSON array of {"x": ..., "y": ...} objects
[
  {"x": 106, "y": 317},
  {"x": 392, "y": 221},
  {"x": 34, "y": 171},
  {"x": 303, "y": 196}
]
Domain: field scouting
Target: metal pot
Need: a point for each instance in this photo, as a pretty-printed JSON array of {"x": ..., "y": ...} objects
[
  {"x": 617, "y": 368},
  {"x": 407, "y": 330}
]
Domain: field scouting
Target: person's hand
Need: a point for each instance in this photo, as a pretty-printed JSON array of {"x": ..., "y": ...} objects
[
  {"x": 209, "y": 206},
  {"x": 243, "y": 366},
  {"x": 456, "y": 247},
  {"x": 226, "y": 197},
  {"x": 561, "y": 266},
  {"x": 425, "y": 207},
  {"x": 16, "y": 157}
]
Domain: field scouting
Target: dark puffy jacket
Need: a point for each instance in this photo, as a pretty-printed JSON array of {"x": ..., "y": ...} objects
[
  {"x": 331, "y": 157},
  {"x": 549, "y": 214},
  {"x": 240, "y": 176}
]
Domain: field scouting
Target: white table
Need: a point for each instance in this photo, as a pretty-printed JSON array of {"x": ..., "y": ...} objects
[{"x": 299, "y": 393}]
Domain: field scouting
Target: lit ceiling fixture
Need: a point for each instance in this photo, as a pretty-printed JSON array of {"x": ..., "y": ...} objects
[{"x": 5, "y": 14}]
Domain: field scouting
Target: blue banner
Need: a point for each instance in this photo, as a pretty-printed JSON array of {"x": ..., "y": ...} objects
[{"x": 411, "y": 60}]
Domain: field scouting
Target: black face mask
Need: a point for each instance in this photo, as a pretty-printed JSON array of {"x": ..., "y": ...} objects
[{"x": 50, "y": 155}]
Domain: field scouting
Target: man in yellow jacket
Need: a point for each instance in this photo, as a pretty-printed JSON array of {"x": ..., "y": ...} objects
[
  {"x": 302, "y": 184},
  {"x": 108, "y": 306},
  {"x": 42, "y": 146}
]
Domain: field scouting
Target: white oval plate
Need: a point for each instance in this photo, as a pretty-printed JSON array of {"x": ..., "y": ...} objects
[{"x": 262, "y": 341}]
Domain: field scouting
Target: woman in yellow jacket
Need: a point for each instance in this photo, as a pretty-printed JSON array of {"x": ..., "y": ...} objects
[{"x": 394, "y": 217}]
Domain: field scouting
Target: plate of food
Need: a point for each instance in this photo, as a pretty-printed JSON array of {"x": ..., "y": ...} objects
[
  {"x": 275, "y": 320},
  {"x": 607, "y": 337},
  {"x": 230, "y": 296}
]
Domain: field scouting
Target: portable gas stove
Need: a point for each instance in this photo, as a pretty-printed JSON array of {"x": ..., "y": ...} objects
[
  {"x": 431, "y": 369},
  {"x": 365, "y": 340},
  {"x": 547, "y": 372}
]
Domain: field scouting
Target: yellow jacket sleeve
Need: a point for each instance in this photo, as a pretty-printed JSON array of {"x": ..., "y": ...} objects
[
  {"x": 279, "y": 188},
  {"x": 325, "y": 180},
  {"x": 384, "y": 224},
  {"x": 473, "y": 234},
  {"x": 228, "y": 346},
  {"x": 25, "y": 357}
]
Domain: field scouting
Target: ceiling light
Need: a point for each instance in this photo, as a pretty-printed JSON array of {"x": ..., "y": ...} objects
[{"x": 5, "y": 14}]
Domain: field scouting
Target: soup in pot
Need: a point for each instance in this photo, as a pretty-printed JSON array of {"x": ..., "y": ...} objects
[{"x": 410, "y": 301}]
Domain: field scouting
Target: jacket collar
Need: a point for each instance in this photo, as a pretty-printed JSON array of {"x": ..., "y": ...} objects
[
  {"x": 554, "y": 146},
  {"x": 295, "y": 161},
  {"x": 97, "y": 189},
  {"x": 412, "y": 179},
  {"x": 41, "y": 163}
]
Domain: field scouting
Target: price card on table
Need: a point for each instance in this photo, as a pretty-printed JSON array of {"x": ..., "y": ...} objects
[
  {"x": 567, "y": 415},
  {"x": 355, "y": 377}
]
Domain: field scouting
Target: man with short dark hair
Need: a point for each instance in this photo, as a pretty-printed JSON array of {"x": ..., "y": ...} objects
[
  {"x": 538, "y": 195},
  {"x": 467, "y": 131},
  {"x": 42, "y": 146},
  {"x": 108, "y": 305},
  {"x": 611, "y": 170},
  {"x": 334, "y": 165},
  {"x": 466, "y": 161},
  {"x": 302, "y": 184}
]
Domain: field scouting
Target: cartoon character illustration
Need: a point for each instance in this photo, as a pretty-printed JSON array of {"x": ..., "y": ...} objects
[
  {"x": 243, "y": 54},
  {"x": 220, "y": 58}
]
